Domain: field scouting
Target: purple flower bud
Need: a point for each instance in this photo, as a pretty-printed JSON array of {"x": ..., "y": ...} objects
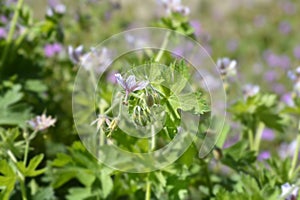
[{"x": 52, "y": 49}]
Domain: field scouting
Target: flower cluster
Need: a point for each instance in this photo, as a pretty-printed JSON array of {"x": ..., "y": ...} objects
[
  {"x": 289, "y": 192},
  {"x": 175, "y": 6},
  {"x": 41, "y": 122}
]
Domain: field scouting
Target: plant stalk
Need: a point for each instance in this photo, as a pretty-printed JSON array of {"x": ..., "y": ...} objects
[{"x": 296, "y": 154}]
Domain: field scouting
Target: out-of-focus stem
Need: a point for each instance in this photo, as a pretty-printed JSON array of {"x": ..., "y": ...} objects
[
  {"x": 163, "y": 47},
  {"x": 258, "y": 136},
  {"x": 296, "y": 154},
  {"x": 11, "y": 31}
]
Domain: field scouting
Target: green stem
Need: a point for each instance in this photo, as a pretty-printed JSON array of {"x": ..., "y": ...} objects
[
  {"x": 251, "y": 140},
  {"x": 258, "y": 136},
  {"x": 26, "y": 151},
  {"x": 296, "y": 154},
  {"x": 148, "y": 189},
  {"x": 163, "y": 47},
  {"x": 23, "y": 189},
  {"x": 11, "y": 31}
]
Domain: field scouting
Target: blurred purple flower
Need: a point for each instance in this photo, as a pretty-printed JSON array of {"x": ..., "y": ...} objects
[
  {"x": 278, "y": 88},
  {"x": 231, "y": 141},
  {"x": 232, "y": 45},
  {"x": 271, "y": 75},
  {"x": 264, "y": 155},
  {"x": 297, "y": 52},
  {"x": 174, "y": 6},
  {"x": 111, "y": 77},
  {"x": 285, "y": 27},
  {"x": 274, "y": 60},
  {"x": 3, "y": 32},
  {"x": 259, "y": 21},
  {"x": 268, "y": 134},
  {"x": 197, "y": 27},
  {"x": 295, "y": 77},
  {"x": 52, "y": 49},
  {"x": 3, "y": 19},
  {"x": 288, "y": 99},
  {"x": 55, "y": 7},
  {"x": 227, "y": 67},
  {"x": 288, "y": 7}
]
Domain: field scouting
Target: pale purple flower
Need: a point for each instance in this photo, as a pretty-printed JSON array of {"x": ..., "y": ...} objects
[
  {"x": 297, "y": 52},
  {"x": 172, "y": 6},
  {"x": 55, "y": 8},
  {"x": 288, "y": 7},
  {"x": 226, "y": 66},
  {"x": 75, "y": 54},
  {"x": 264, "y": 155},
  {"x": 289, "y": 192},
  {"x": 52, "y": 49},
  {"x": 279, "y": 88},
  {"x": 130, "y": 84},
  {"x": 250, "y": 90},
  {"x": 288, "y": 99},
  {"x": 274, "y": 60},
  {"x": 232, "y": 45},
  {"x": 259, "y": 21},
  {"x": 41, "y": 122},
  {"x": 3, "y": 32},
  {"x": 285, "y": 27},
  {"x": 271, "y": 75},
  {"x": 3, "y": 19},
  {"x": 197, "y": 27},
  {"x": 268, "y": 134}
]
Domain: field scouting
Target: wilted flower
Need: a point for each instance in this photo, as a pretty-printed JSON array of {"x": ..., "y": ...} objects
[
  {"x": 100, "y": 121},
  {"x": 226, "y": 66},
  {"x": 75, "y": 54},
  {"x": 130, "y": 84},
  {"x": 289, "y": 192},
  {"x": 250, "y": 90},
  {"x": 295, "y": 77},
  {"x": 41, "y": 122},
  {"x": 175, "y": 6}
]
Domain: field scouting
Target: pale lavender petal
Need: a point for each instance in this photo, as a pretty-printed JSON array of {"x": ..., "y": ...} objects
[
  {"x": 120, "y": 81},
  {"x": 140, "y": 85},
  {"x": 130, "y": 82}
]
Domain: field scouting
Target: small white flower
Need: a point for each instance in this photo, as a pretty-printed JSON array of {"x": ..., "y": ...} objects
[
  {"x": 41, "y": 122},
  {"x": 130, "y": 84},
  {"x": 250, "y": 90},
  {"x": 227, "y": 67},
  {"x": 289, "y": 192}
]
